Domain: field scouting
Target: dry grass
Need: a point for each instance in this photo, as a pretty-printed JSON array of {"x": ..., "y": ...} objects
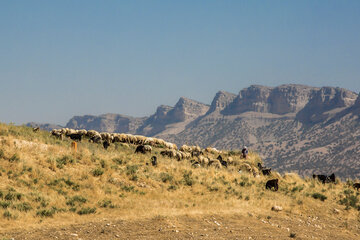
[{"x": 42, "y": 180}]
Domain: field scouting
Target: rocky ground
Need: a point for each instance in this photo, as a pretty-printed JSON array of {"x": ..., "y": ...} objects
[{"x": 233, "y": 226}]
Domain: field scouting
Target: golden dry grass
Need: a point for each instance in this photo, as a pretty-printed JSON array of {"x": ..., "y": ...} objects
[{"x": 43, "y": 181}]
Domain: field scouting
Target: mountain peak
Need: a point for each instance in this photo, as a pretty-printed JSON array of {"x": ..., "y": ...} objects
[{"x": 220, "y": 101}]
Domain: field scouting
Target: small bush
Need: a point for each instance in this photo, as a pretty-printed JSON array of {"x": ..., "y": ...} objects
[
  {"x": 86, "y": 210},
  {"x": 5, "y": 204},
  {"x": 172, "y": 188},
  {"x": 319, "y": 196},
  {"x": 350, "y": 200},
  {"x": 117, "y": 161},
  {"x": 23, "y": 207},
  {"x": 8, "y": 215},
  {"x": 2, "y": 155},
  {"x": 106, "y": 203},
  {"x": 165, "y": 177},
  {"x": 45, "y": 213},
  {"x": 131, "y": 169},
  {"x": 13, "y": 196},
  {"x": 102, "y": 163},
  {"x": 97, "y": 172},
  {"x": 76, "y": 199},
  {"x": 14, "y": 158},
  {"x": 187, "y": 176},
  {"x": 128, "y": 188},
  {"x": 60, "y": 162}
]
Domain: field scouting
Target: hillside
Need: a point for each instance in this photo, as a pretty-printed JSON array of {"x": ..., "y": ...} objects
[
  {"x": 46, "y": 186},
  {"x": 293, "y": 127}
]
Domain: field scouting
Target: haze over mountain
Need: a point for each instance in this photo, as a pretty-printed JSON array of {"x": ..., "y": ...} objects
[{"x": 294, "y": 127}]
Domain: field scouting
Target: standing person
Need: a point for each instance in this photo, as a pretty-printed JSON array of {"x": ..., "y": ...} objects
[{"x": 245, "y": 152}]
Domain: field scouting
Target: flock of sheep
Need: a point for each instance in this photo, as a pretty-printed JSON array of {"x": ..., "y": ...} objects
[{"x": 170, "y": 149}]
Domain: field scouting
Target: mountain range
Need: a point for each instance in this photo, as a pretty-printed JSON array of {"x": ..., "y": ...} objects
[{"x": 293, "y": 127}]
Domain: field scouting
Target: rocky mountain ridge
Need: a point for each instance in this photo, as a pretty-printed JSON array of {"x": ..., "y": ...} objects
[{"x": 294, "y": 127}]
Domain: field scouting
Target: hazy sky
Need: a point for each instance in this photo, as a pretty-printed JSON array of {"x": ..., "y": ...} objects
[{"x": 64, "y": 58}]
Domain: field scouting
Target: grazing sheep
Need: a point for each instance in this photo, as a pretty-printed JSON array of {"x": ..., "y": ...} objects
[
  {"x": 204, "y": 161},
  {"x": 92, "y": 133},
  {"x": 57, "y": 133},
  {"x": 95, "y": 138},
  {"x": 212, "y": 150},
  {"x": 168, "y": 153},
  {"x": 143, "y": 149},
  {"x": 273, "y": 183},
  {"x": 82, "y": 132},
  {"x": 245, "y": 166}
]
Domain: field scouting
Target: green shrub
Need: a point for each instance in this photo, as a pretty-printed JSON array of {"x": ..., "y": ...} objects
[
  {"x": 106, "y": 203},
  {"x": 187, "y": 176},
  {"x": 117, "y": 161},
  {"x": 60, "y": 162},
  {"x": 97, "y": 172},
  {"x": 5, "y": 204},
  {"x": 76, "y": 199},
  {"x": 13, "y": 196},
  {"x": 165, "y": 177},
  {"x": 350, "y": 200},
  {"x": 86, "y": 210},
  {"x": 319, "y": 196},
  {"x": 131, "y": 169},
  {"x": 14, "y": 158},
  {"x": 102, "y": 163},
  {"x": 46, "y": 212},
  {"x": 8, "y": 215},
  {"x": 128, "y": 188},
  {"x": 23, "y": 207}
]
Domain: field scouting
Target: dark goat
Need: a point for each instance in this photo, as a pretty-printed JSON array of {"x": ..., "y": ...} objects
[
  {"x": 224, "y": 163},
  {"x": 264, "y": 170},
  {"x": 75, "y": 137},
  {"x": 356, "y": 185},
  {"x": 106, "y": 144},
  {"x": 154, "y": 161},
  {"x": 36, "y": 129},
  {"x": 325, "y": 179},
  {"x": 273, "y": 183}
]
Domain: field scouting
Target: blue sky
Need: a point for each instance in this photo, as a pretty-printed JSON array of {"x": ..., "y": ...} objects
[{"x": 64, "y": 58}]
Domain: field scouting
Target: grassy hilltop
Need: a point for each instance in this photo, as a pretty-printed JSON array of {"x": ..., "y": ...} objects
[{"x": 44, "y": 182}]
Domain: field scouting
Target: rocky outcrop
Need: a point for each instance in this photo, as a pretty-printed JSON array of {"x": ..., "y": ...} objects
[
  {"x": 221, "y": 100},
  {"x": 254, "y": 98},
  {"x": 184, "y": 111},
  {"x": 280, "y": 100},
  {"x": 325, "y": 103},
  {"x": 289, "y": 98}
]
